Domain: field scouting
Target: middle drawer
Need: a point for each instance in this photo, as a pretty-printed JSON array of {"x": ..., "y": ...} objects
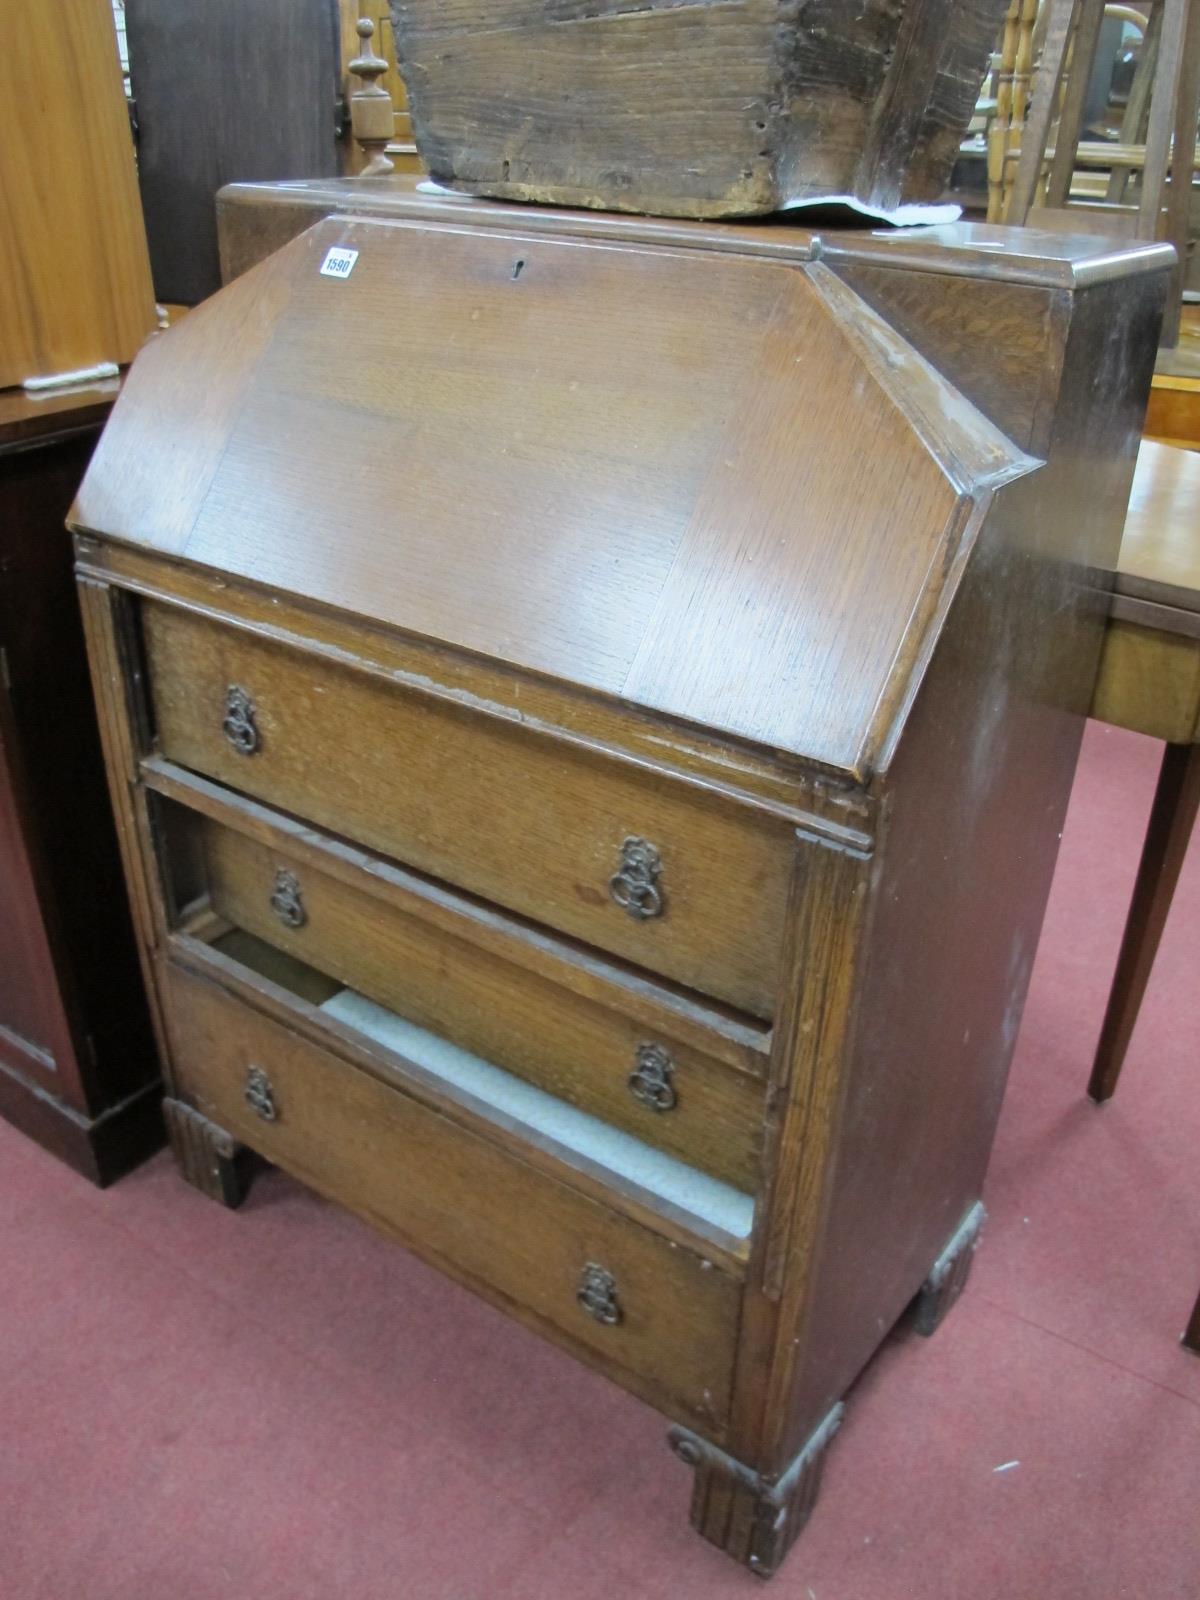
[{"x": 679, "y": 1076}]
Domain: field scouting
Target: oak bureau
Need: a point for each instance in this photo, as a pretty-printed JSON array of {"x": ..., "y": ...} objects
[{"x": 590, "y": 705}]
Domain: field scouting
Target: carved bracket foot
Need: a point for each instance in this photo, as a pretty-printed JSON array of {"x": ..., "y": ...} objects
[
  {"x": 949, "y": 1275},
  {"x": 752, "y": 1519},
  {"x": 208, "y": 1157}
]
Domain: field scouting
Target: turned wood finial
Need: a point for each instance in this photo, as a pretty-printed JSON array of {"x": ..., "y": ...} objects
[{"x": 372, "y": 118}]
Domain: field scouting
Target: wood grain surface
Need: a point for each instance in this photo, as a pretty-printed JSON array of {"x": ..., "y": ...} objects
[
  {"x": 764, "y": 589},
  {"x": 1150, "y": 670},
  {"x": 225, "y": 91},
  {"x": 737, "y": 1041},
  {"x": 464, "y": 1203},
  {"x": 1150, "y": 681},
  {"x": 1160, "y": 549},
  {"x": 965, "y": 854},
  {"x": 256, "y": 219},
  {"x": 35, "y": 1029},
  {"x": 591, "y": 483},
  {"x": 705, "y": 108},
  {"x": 54, "y": 414},
  {"x": 74, "y": 273},
  {"x": 495, "y": 1008},
  {"x": 531, "y": 826},
  {"x": 82, "y": 1069},
  {"x": 699, "y": 757}
]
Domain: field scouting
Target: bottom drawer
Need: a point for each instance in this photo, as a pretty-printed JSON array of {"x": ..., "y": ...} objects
[{"x": 662, "y": 1318}]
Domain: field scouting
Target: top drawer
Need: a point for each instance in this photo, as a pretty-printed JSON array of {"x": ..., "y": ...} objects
[{"x": 687, "y": 885}]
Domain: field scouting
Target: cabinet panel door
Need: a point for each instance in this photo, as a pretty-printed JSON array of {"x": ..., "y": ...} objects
[
  {"x": 35, "y": 1037},
  {"x": 225, "y": 92}
]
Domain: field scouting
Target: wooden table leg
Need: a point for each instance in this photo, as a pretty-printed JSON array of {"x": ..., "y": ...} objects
[
  {"x": 1192, "y": 1337},
  {"x": 1176, "y": 802}
]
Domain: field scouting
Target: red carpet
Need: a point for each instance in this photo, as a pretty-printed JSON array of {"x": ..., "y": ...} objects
[{"x": 279, "y": 1405}]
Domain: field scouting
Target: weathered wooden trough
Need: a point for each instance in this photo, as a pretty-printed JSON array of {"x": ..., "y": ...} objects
[{"x": 694, "y": 108}]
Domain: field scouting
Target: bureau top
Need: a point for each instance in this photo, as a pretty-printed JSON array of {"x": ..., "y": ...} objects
[
  {"x": 1034, "y": 256},
  {"x": 711, "y": 485}
]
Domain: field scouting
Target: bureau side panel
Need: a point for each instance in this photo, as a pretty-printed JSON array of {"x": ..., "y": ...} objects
[
  {"x": 251, "y": 226},
  {"x": 974, "y": 801},
  {"x": 114, "y": 663},
  {"x": 950, "y": 320}
]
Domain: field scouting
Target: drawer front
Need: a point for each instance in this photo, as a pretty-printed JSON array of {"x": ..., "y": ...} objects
[
  {"x": 460, "y": 1200},
  {"x": 680, "y": 883},
  {"x": 638, "y": 1078}
]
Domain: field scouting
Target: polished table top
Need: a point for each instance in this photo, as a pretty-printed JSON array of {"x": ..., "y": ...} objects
[
  {"x": 1160, "y": 553},
  {"x": 26, "y": 418},
  {"x": 1150, "y": 670}
]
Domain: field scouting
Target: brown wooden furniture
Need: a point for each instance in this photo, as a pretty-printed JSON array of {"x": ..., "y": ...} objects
[
  {"x": 1014, "y": 76},
  {"x": 372, "y": 120},
  {"x": 693, "y": 110},
  {"x": 74, "y": 275},
  {"x": 77, "y": 1065},
  {"x": 1150, "y": 681},
  {"x": 601, "y": 837},
  {"x": 1173, "y": 414},
  {"x": 400, "y": 147},
  {"x": 1162, "y": 212},
  {"x": 225, "y": 90}
]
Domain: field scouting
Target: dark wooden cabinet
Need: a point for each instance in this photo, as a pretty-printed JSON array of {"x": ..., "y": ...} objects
[
  {"x": 593, "y": 704},
  {"x": 78, "y": 1067},
  {"x": 225, "y": 90}
]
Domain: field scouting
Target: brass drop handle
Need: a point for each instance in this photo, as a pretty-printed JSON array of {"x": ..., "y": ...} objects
[
  {"x": 597, "y": 1294},
  {"x": 260, "y": 1097},
  {"x": 634, "y": 886},
  {"x": 286, "y": 901},
  {"x": 239, "y": 726},
  {"x": 651, "y": 1080}
]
